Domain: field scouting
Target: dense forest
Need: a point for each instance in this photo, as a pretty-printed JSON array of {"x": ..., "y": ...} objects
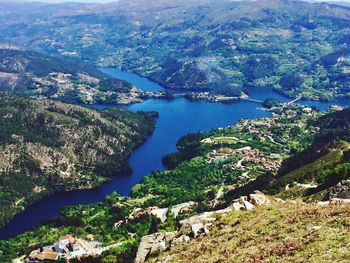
[
  {"x": 295, "y": 47},
  {"x": 47, "y": 146}
]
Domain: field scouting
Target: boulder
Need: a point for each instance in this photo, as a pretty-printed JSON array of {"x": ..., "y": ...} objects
[
  {"x": 160, "y": 213},
  {"x": 182, "y": 208},
  {"x": 237, "y": 206},
  {"x": 152, "y": 245},
  {"x": 248, "y": 205},
  {"x": 278, "y": 200},
  {"x": 180, "y": 240},
  {"x": 199, "y": 230},
  {"x": 340, "y": 190},
  {"x": 258, "y": 198},
  {"x": 323, "y": 203},
  {"x": 243, "y": 199}
]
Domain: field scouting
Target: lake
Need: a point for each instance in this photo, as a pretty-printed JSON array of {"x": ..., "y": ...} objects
[{"x": 177, "y": 117}]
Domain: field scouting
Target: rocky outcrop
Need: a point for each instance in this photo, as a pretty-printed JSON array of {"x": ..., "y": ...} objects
[
  {"x": 340, "y": 190},
  {"x": 258, "y": 198},
  {"x": 199, "y": 230},
  {"x": 181, "y": 240},
  {"x": 195, "y": 226},
  {"x": 152, "y": 245},
  {"x": 161, "y": 213},
  {"x": 248, "y": 203}
]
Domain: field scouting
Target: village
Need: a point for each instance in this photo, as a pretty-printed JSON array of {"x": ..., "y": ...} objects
[
  {"x": 253, "y": 145},
  {"x": 67, "y": 248}
]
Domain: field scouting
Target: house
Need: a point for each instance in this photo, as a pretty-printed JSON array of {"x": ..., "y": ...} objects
[
  {"x": 46, "y": 254},
  {"x": 64, "y": 244}
]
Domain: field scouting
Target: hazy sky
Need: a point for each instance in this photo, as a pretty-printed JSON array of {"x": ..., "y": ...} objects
[{"x": 107, "y": 1}]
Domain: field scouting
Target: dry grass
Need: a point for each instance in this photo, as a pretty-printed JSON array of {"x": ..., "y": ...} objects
[{"x": 291, "y": 232}]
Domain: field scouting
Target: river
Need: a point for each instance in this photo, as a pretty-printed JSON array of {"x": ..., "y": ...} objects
[{"x": 177, "y": 117}]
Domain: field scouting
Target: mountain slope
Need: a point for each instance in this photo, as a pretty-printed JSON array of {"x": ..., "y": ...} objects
[
  {"x": 48, "y": 146},
  {"x": 288, "y": 232},
  {"x": 298, "y": 48},
  {"x": 323, "y": 165},
  {"x": 212, "y": 170},
  {"x": 70, "y": 80}
]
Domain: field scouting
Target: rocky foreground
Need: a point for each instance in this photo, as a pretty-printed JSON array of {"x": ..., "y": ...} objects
[{"x": 256, "y": 228}]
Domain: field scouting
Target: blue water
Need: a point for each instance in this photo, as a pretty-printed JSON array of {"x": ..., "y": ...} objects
[
  {"x": 176, "y": 118},
  {"x": 134, "y": 79}
]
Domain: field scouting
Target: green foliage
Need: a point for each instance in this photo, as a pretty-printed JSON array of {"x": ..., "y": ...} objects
[
  {"x": 41, "y": 140},
  {"x": 296, "y": 48}
]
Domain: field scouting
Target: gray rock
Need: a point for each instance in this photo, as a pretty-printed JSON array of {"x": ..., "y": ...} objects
[
  {"x": 323, "y": 203},
  {"x": 237, "y": 206},
  {"x": 243, "y": 199},
  {"x": 248, "y": 205},
  {"x": 199, "y": 230},
  {"x": 337, "y": 201},
  {"x": 340, "y": 190},
  {"x": 181, "y": 240},
  {"x": 152, "y": 245},
  {"x": 160, "y": 213},
  {"x": 258, "y": 198},
  {"x": 176, "y": 209},
  {"x": 202, "y": 218}
]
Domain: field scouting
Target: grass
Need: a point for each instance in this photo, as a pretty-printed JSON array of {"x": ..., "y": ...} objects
[
  {"x": 290, "y": 232},
  {"x": 228, "y": 140}
]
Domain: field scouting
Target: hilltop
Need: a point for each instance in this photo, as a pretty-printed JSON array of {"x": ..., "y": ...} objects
[
  {"x": 48, "y": 146},
  {"x": 221, "y": 47}
]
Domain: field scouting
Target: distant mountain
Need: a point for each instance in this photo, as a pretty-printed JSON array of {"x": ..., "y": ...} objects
[
  {"x": 220, "y": 46},
  {"x": 35, "y": 74},
  {"x": 48, "y": 146}
]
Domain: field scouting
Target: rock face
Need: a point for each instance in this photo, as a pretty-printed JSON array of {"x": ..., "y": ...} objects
[
  {"x": 182, "y": 208},
  {"x": 160, "y": 213},
  {"x": 152, "y": 245},
  {"x": 341, "y": 190},
  {"x": 202, "y": 218},
  {"x": 334, "y": 201}
]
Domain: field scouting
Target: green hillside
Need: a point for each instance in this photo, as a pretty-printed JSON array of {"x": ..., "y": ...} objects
[
  {"x": 296, "y": 47},
  {"x": 47, "y": 146},
  {"x": 27, "y": 72}
]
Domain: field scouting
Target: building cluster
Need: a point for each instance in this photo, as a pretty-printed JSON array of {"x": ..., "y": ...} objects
[{"x": 66, "y": 248}]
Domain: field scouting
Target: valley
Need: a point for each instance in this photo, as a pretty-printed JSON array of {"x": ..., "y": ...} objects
[
  {"x": 161, "y": 131},
  {"x": 148, "y": 158},
  {"x": 49, "y": 146},
  {"x": 298, "y": 48}
]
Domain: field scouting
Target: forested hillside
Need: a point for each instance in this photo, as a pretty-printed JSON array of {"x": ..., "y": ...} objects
[
  {"x": 27, "y": 72},
  {"x": 296, "y": 47},
  {"x": 48, "y": 146}
]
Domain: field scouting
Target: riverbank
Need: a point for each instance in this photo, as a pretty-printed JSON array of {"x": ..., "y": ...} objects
[{"x": 177, "y": 117}]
